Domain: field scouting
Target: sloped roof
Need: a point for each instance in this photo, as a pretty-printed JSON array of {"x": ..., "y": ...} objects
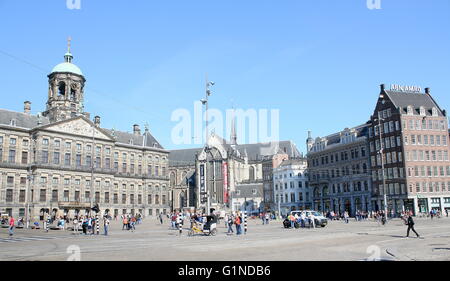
[
  {"x": 183, "y": 157},
  {"x": 299, "y": 161},
  {"x": 23, "y": 120},
  {"x": 145, "y": 140},
  {"x": 246, "y": 190},
  {"x": 29, "y": 121},
  {"x": 416, "y": 100},
  {"x": 257, "y": 151}
]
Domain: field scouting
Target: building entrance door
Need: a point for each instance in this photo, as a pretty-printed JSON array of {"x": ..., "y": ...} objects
[{"x": 348, "y": 207}]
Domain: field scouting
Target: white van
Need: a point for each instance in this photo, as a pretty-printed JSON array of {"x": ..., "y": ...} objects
[{"x": 319, "y": 218}]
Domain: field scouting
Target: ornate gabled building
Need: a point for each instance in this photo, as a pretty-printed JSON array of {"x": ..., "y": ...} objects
[
  {"x": 216, "y": 170},
  {"x": 61, "y": 163},
  {"x": 409, "y": 139}
]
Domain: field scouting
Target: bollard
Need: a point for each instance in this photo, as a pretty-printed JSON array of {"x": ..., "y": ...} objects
[
  {"x": 97, "y": 224},
  {"x": 245, "y": 222},
  {"x": 47, "y": 224},
  {"x": 180, "y": 227}
]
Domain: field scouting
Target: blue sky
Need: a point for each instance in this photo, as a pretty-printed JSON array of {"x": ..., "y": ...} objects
[{"x": 320, "y": 62}]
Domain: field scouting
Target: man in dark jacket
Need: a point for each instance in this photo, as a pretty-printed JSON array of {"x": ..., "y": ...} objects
[{"x": 410, "y": 224}]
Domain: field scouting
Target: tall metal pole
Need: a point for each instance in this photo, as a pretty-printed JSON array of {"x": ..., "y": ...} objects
[
  {"x": 382, "y": 166},
  {"x": 92, "y": 170},
  {"x": 207, "y": 93},
  {"x": 205, "y": 102},
  {"x": 206, "y": 144},
  {"x": 29, "y": 179}
]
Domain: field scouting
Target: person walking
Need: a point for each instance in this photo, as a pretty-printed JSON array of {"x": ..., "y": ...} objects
[
  {"x": 106, "y": 225},
  {"x": 161, "y": 218},
  {"x": 383, "y": 218},
  {"x": 303, "y": 218},
  {"x": 11, "y": 226},
  {"x": 85, "y": 225},
  {"x": 410, "y": 224},
  {"x": 312, "y": 220},
  {"x": 75, "y": 225},
  {"x": 292, "y": 220},
  {"x": 230, "y": 224},
  {"x": 133, "y": 223},
  {"x": 238, "y": 222},
  {"x": 124, "y": 222}
]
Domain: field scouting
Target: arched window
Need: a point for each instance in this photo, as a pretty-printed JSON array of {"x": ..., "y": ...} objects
[
  {"x": 316, "y": 192},
  {"x": 61, "y": 89},
  {"x": 173, "y": 179},
  {"x": 252, "y": 173},
  {"x": 182, "y": 200},
  {"x": 364, "y": 168},
  {"x": 73, "y": 93},
  {"x": 184, "y": 180}
]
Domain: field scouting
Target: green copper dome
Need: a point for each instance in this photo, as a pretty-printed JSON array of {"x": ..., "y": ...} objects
[{"x": 67, "y": 66}]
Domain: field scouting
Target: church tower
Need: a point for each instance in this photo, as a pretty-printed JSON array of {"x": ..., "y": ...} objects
[
  {"x": 65, "y": 90},
  {"x": 233, "y": 136},
  {"x": 309, "y": 142}
]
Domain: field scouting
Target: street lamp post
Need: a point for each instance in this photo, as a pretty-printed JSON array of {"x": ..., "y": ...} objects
[
  {"x": 92, "y": 170},
  {"x": 205, "y": 102},
  {"x": 30, "y": 178}
]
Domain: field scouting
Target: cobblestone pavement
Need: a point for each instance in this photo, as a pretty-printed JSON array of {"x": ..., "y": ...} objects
[{"x": 366, "y": 240}]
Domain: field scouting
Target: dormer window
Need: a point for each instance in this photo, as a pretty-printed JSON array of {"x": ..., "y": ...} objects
[
  {"x": 13, "y": 122},
  {"x": 422, "y": 111},
  {"x": 131, "y": 141},
  {"x": 409, "y": 110},
  {"x": 434, "y": 112}
]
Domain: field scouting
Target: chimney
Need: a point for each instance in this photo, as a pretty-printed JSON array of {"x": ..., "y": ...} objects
[
  {"x": 427, "y": 91},
  {"x": 97, "y": 121},
  {"x": 27, "y": 107},
  {"x": 136, "y": 130},
  {"x": 382, "y": 87}
]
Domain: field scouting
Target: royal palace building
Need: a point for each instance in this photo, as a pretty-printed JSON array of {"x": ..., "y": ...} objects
[{"x": 61, "y": 163}]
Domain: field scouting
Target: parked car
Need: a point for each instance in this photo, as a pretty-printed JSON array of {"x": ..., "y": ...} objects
[{"x": 319, "y": 218}]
